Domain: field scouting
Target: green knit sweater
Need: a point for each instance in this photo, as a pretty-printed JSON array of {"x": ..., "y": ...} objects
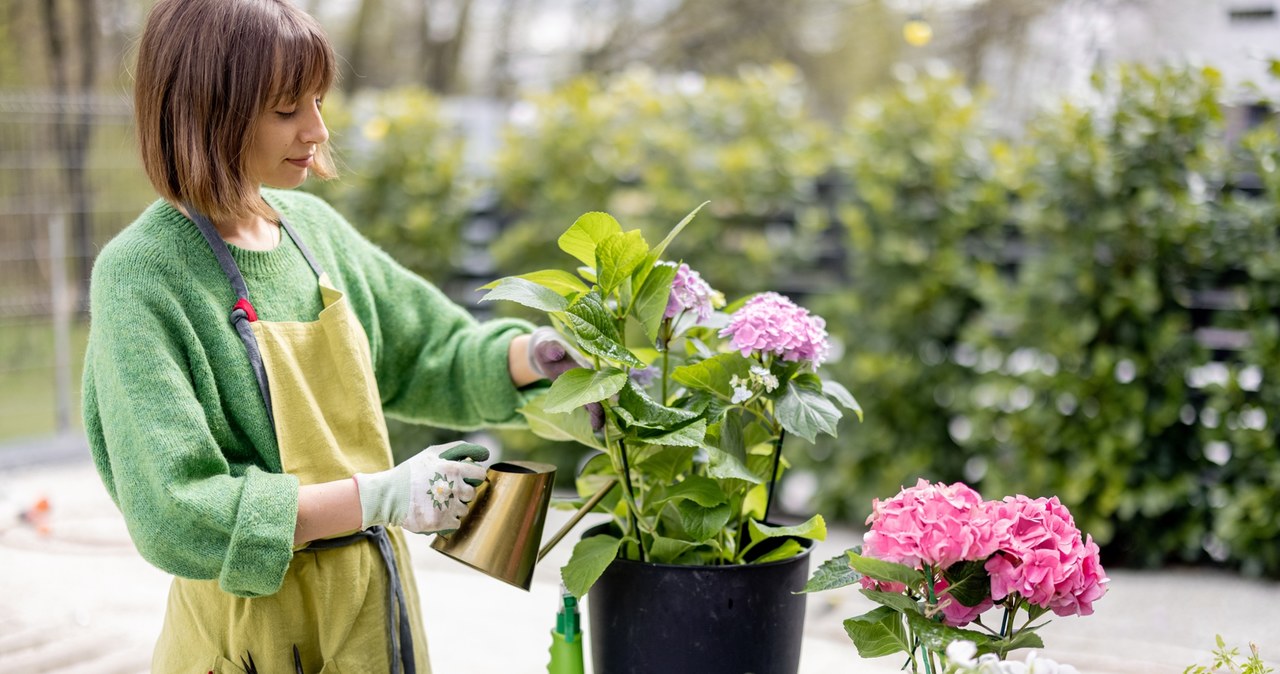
[{"x": 176, "y": 424}]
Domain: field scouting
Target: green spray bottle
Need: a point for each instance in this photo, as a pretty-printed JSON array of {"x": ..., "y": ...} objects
[{"x": 566, "y": 638}]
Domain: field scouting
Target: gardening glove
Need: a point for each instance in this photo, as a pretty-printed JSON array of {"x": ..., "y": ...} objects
[
  {"x": 428, "y": 494},
  {"x": 551, "y": 356}
]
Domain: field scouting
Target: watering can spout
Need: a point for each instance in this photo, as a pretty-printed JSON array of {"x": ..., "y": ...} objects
[{"x": 500, "y": 533}]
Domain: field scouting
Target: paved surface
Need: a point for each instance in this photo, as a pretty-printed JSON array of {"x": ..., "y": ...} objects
[{"x": 79, "y": 599}]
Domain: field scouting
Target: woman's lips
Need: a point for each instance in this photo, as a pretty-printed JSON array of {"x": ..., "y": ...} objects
[{"x": 304, "y": 162}]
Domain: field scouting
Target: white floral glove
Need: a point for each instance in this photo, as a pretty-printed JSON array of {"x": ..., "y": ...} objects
[{"x": 428, "y": 494}]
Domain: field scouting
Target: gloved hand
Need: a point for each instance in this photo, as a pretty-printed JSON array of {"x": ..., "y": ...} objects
[
  {"x": 551, "y": 356},
  {"x": 428, "y": 494}
]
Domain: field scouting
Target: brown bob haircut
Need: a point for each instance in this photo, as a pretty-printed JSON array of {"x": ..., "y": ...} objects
[{"x": 206, "y": 70}]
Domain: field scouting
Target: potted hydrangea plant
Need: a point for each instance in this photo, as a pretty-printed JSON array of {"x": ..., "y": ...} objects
[
  {"x": 937, "y": 558},
  {"x": 698, "y": 401}
]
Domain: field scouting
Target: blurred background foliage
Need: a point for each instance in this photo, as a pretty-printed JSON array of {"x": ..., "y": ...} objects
[{"x": 1086, "y": 310}]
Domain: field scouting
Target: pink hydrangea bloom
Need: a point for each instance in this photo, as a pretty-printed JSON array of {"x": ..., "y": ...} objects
[
  {"x": 690, "y": 293},
  {"x": 771, "y": 323},
  {"x": 1043, "y": 558},
  {"x": 933, "y": 524}
]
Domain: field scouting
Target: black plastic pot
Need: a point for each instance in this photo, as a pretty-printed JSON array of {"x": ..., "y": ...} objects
[{"x": 667, "y": 619}]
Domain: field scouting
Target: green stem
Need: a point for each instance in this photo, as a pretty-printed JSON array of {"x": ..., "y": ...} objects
[
  {"x": 632, "y": 508},
  {"x": 773, "y": 474},
  {"x": 932, "y": 600},
  {"x": 665, "y": 334}
]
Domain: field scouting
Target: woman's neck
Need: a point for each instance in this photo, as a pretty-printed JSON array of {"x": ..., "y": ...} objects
[{"x": 251, "y": 233}]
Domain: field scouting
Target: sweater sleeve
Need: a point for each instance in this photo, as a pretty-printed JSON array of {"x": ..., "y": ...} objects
[
  {"x": 434, "y": 362},
  {"x": 189, "y": 510}
]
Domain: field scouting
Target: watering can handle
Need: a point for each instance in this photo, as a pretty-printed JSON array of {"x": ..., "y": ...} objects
[{"x": 577, "y": 517}]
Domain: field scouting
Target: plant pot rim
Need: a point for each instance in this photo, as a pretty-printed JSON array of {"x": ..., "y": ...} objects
[{"x": 604, "y": 527}]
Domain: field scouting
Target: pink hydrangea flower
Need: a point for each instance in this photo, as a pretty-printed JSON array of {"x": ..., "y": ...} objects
[
  {"x": 933, "y": 524},
  {"x": 1043, "y": 558},
  {"x": 771, "y": 323},
  {"x": 690, "y": 293}
]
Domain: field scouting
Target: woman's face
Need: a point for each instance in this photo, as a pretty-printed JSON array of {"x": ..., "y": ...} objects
[{"x": 284, "y": 142}]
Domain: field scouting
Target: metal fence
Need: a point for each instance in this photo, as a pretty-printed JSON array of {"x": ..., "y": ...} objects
[{"x": 70, "y": 178}]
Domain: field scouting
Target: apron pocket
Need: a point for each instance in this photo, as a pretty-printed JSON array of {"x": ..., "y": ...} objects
[{"x": 222, "y": 665}]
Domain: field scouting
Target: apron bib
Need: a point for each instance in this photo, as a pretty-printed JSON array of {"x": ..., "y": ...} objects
[{"x": 350, "y": 603}]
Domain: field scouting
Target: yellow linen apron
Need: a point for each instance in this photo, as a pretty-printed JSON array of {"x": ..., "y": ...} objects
[{"x": 348, "y": 604}]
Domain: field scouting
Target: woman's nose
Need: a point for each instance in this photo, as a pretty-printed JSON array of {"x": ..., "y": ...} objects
[{"x": 315, "y": 131}]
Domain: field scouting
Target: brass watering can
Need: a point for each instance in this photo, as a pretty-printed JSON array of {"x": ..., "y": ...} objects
[{"x": 500, "y": 534}]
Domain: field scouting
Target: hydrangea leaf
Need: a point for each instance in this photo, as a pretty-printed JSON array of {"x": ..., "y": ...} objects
[
  {"x": 617, "y": 257},
  {"x": 528, "y": 293},
  {"x": 702, "y": 523},
  {"x": 790, "y": 548},
  {"x": 894, "y": 600},
  {"x": 713, "y": 374},
  {"x": 833, "y": 574},
  {"x": 882, "y": 570},
  {"x": 968, "y": 583},
  {"x": 581, "y": 239},
  {"x": 878, "y": 632},
  {"x": 936, "y": 636},
  {"x": 815, "y": 528},
  {"x": 580, "y": 386},
  {"x": 572, "y": 426},
  {"x": 805, "y": 412},
  {"x": 691, "y": 434},
  {"x": 837, "y": 392},
  {"x": 701, "y": 490},
  {"x": 665, "y": 464},
  {"x": 593, "y": 325},
  {"x": 1026, "y": 638},
  {"x": 644, "y": 270},
  {"x": 558, "y": 280},
  {"x": 650, "y": 303},
  {"x": 591, "y": 556},
  {"x": 665, "y": 550},
  {"x": 641, "y": 410},
  {"x": 725, "y": 466}
]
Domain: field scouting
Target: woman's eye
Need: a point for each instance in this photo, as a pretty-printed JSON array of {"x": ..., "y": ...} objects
[{"x": 285, "y": 113}]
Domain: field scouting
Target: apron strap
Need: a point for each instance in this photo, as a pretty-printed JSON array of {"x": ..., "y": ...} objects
[
  {"x": 243, "y": 314},
  {"x": 395, "y": 595}
]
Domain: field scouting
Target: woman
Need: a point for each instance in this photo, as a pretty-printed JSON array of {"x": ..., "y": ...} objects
[{"x": 245, "y": 342}]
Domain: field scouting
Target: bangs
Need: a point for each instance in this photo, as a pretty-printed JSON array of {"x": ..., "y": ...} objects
[{"x": 303, "y": 62}]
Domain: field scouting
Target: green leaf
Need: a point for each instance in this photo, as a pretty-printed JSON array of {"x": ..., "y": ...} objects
[
  {"x": 1024, "y": 639},
  {"x": 722, "y": 465},
  {"x": 805, "y": 412},
  {"x": 656, "y": 254},
  {"x": 968, "y": 583},
  {"x": 581, "y": 239},
  {"x": 667, "y": 550},
  {"x": 558, "y": 280},
  {"x": 833, "y": 574},
  {"x": 837, "y": 392},
  {"x": 591, "y": 556},
  {"x": 703, "y": 523},
  {"x": 815, "y": 528},
  {"x": 789, "y": 548},
  {"x": 713, "y": 374},
  {"x": 617, "y": 257},
  {"x": 651, "y": 300},
  {"x": 593, "y": 325},
  {"x": 638, "y": 409},
  {"x": 662, "y": 463},
  {"x": 882, "y": 570},
  {"x": 701, "y": 490},
  {"x": 575, "y": 426},
  {"x": 528, "y": 293},
  {"x": 935, "y": 636},
  {"x": 731, "y": 438},
  {"x": 894, "y": 600},
  {"x": 692, "y": 434},
  {"x": 878, "y": 633},
  {"x": 580, "y": 386}
]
